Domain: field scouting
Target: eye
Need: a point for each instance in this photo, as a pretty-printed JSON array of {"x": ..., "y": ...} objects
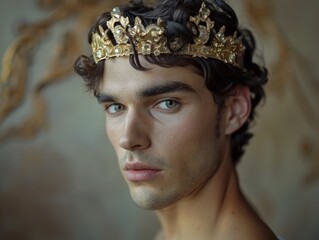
[
  {"x": 168, "y": 104},
  {"x": 114, "y": 108}
]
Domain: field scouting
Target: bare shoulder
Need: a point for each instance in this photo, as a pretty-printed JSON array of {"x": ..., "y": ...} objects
[
  {"x": 259, "y": 231},
  {"x": 247, "y": 230},
  {"x": 247, "y": 225},
  {"x": 238, "y": 220}
]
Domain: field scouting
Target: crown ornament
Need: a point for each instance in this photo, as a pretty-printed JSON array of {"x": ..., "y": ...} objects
[{"x": 147, "y": 40}]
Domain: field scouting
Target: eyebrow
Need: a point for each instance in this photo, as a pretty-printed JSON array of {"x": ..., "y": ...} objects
[
  {"x": 149, "y": 92},
  {"x": 104, "y": 98},
  {"x": 166, "y": 88}
]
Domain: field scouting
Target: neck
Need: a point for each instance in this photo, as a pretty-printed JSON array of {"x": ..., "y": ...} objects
[
  {"x": 201, "y": 213},
  {"x": 218, "y": 210}
]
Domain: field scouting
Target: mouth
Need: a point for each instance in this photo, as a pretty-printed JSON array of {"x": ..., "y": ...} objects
[{"x": 139, "y": 172}]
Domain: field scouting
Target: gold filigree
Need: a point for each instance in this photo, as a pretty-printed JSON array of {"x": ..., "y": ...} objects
[{"x": 151, "y": 39}]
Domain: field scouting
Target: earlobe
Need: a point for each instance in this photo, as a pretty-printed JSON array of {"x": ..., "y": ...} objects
[{"x": 238, "y": 110}]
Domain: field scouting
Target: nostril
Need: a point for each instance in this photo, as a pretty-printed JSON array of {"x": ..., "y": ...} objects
[
  {"x": 125, "y": 143},
  {"x": 134, "y": 143}
]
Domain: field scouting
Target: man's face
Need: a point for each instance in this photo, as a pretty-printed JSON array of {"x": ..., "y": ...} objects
[{"x": 161, "y": 123}]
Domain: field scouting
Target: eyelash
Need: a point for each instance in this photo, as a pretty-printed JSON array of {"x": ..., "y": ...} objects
[
  {"x": 107, "y": 108},
  {"x": 176, "y": 104}
]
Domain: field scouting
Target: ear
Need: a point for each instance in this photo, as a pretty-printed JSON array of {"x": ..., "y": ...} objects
[{"x": 238, "y": 108}]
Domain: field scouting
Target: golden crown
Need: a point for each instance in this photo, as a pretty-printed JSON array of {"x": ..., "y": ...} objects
[{"x": 151, "y": 40}]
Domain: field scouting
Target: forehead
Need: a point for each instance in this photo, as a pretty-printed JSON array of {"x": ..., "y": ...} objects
[{"x": 119, "y": 74}]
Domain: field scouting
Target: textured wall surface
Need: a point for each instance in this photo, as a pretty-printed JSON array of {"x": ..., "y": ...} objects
[{"x": 64, "y": 183}]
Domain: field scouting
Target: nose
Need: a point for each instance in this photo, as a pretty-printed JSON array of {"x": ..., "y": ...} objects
[{"x": 135, "y": 132}]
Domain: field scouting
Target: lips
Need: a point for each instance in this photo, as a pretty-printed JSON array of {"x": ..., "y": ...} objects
[{"x": 139, "y": 172}]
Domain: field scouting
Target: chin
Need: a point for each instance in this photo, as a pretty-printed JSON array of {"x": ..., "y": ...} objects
[
  {"x": 148, "y": 204},
  {"x": 151, "y": 201}
]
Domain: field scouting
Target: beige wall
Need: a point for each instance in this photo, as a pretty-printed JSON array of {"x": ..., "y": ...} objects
[{"x": 63, "y": 182}]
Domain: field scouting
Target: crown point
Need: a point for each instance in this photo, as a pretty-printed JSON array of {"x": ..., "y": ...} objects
[
  {"x": 116, "y": 12},
  {"x": 101, "y": 30},
  {"x": 204, "y": 12}
]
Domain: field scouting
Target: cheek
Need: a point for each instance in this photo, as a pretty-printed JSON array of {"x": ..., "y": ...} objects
[
  {"x": 112, "y": 133},
  {"x": 192, "y": 130},
  {"x": 109, "y": 131},
  {"x": 188, "y": 138}
]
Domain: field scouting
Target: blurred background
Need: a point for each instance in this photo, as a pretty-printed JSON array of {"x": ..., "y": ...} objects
[{"x": 58, "y": 174}]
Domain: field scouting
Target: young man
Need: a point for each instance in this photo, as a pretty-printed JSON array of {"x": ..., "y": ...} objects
[{"x": 179, "y": 88}]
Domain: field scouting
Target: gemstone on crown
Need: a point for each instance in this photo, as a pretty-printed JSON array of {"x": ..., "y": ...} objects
[{"x": 116, "y": 12}]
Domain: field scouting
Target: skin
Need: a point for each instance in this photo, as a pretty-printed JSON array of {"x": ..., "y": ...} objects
[{"x": 166, "y": 118}]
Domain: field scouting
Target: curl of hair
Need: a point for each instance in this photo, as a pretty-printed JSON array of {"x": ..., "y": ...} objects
[{"x": 220, "y": 78}]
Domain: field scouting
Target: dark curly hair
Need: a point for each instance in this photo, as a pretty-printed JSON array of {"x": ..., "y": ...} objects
[{"x": 220, "y": 78}]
